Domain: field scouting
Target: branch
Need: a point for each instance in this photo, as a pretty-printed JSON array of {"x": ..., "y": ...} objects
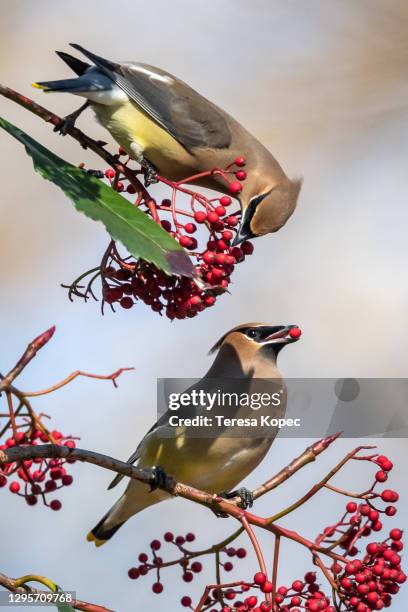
[
  {"x": 85, "y": 141},
  {"x": 15, "y": 585},
  {"x": 52, "y": 451},
  {"x": 74, "y": 375}
]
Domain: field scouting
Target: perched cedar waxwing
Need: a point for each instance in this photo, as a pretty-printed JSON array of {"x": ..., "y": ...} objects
[
  {"x": 214, "y": 463},
  {"x": 167, "y": 126}
]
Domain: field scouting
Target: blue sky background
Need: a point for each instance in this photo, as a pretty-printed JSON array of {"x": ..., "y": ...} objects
[{"x": 324, "y": 86}]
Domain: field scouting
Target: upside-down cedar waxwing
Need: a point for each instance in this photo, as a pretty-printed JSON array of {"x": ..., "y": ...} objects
[
  {"x": 214, "y": 463},
  {"x": 167, "y": 126}
]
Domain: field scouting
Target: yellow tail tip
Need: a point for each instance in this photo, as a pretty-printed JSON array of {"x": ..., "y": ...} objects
[
  {"x": 91, "y": 538},
  {"x": 38, "y": 86}
]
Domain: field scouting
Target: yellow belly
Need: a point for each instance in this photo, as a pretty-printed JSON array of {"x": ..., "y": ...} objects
[
  {"x": 208, "y": 464},
  {"x": 129, "y": 124}
]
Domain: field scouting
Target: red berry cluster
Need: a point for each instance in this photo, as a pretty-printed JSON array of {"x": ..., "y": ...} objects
[
  {"x": 369, "y": 584},
  {"x": 38, "y": 478},
  {"x": 205, "y": 229},
  {"x": 356, "y": 585},
  {"x": 187, "y": 561}
]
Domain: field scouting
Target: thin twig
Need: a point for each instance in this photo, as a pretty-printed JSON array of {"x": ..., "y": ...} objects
[
  {"x": 74, "y": 375},
  {"x": 28, "y": 355}
]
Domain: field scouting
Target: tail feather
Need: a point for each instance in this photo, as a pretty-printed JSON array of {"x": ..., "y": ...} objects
[
  {"x": 100, "y": 533},
  {"x": 77, "y": 65},
  {"x": 70, "y": 85},
  {"x": 136, "y": 498}
]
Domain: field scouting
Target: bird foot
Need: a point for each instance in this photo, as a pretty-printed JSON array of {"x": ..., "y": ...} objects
[
  {"x": 247, "y": 499},
  {"x": 150, "y": 173},
  {"x": 66, "y": 124},
  {"x": 96, "y": 173},
  {"x": 159, "y": 478}
]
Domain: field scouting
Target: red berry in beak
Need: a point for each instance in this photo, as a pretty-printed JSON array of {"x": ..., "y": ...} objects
[{"x": 295, "y": 332}]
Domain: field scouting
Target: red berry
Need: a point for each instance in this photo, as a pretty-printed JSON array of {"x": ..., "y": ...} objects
[
  {"x": 259, "y": 578},
  {"x": 232, "y": 221},
  {"x": 241, "y": 175},
  {"x": 384, "y": 463},
  {"x": 212, "y": 217},
  {"x": 157, "y": 588},
  {"x": 241, "y": 553},
  {"x": 381, "y": 476},
  {"x": 133, "y": 573},
  {"x": 185, "y": 241},
  {"x": 55, "y": 504},
  {"x": 390, "y": 511},
  {"x": 309, "y": 578},
  {"x": 31, "y": 500},
  {"x": 143, "y": 557},
  {"x": 251, "y": 601},
  {"x": 395, "y": 534},
  {"x": 247, "y": 248},
  {"x": 351, "y": 507},
  {"x": 122, "y": 151},
  {"x": 210, "y": 300},
  {"x": 235, "y": 187},
  {"x": 225, "y": 201},
  {"x": 109, "y": 173},
  {"x": 188, "y": 576},
  {"x": 267, "y": 587},
  {"x": 155, "y": 545},
  {"x": 200, "y": 216},
  {"x": 126, "y": 302},
  {"x": 3, "y": 481},
  {"x": 67, "y": 480},
  {"x": 227, "y": 235},
  {"x": 130, "y": 189},
  {"x": 119, "y": 186},
  {"x": 190, "y": 228},
  {"x": 220, "y": 210},
  {"x": 297, "y": 586},
  {"x": 239, "y": 161},
  {"x": 389, "y": 496},
  {"x": 190, "y": 537},
  {"x": 14, "y": 487},
  {"x": 166, "y": 225},
  {"x": 196, "y": 567},
  {"x": 186, "y": 601},
  {"x": 295, "y": 332},
  {"x": 228, "y": 566}
]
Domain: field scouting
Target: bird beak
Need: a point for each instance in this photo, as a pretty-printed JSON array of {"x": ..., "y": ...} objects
[
  {"x": 283, "y": 335},
  {"x": 239, "y": 237},
  {"x": 244, "y": 232}
]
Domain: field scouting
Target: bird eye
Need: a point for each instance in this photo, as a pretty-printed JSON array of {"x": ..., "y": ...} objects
[{"x": 254, "y": 334}]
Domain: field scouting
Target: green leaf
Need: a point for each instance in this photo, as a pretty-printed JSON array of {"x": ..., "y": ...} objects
[{"x": 141, "y": 236}]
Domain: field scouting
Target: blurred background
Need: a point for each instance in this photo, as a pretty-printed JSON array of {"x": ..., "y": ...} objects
[{"x": 324, "y": 85}]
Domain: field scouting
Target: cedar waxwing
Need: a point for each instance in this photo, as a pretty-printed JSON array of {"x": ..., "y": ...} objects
[
  {"x": 167, "y": 126},
  {"x": 214, "y": 463}
]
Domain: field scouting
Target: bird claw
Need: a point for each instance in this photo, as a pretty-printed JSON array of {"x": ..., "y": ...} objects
[
  {"x": 158, "y": 479},
  {"x": 96, "y": 173},
  {"x": 150, "y": 173},
  {"x": 247, "y": 499},
  {"x": 65, "y": 125}
]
